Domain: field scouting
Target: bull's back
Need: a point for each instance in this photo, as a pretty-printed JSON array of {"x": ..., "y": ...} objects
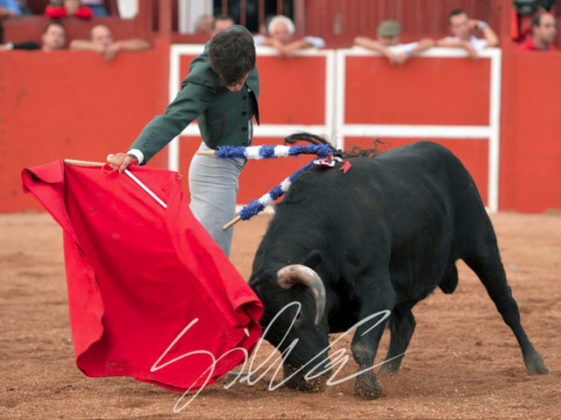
[
  {"x": 431, "y": 180},
  {"x": 417, "y": 198},
  {"x": 422, "y": 176}
]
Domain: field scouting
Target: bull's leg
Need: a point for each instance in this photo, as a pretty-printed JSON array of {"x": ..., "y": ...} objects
[
  {"x": 486, "y": 263},
  {"x": 366, "y": 339},
  {"x": 402, "y": 325}
]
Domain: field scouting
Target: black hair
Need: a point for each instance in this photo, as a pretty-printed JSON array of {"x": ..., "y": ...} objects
[
  {"x": 1, "y": 33},
  {"x": 232, "y": 55},
  {"x": 456, "y": 12},
  {"x": 537, "y": 19},
  {"x": 55, "y": 23}
]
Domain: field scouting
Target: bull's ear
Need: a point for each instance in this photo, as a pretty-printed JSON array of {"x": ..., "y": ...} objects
[{"x": 314, "y": 260}]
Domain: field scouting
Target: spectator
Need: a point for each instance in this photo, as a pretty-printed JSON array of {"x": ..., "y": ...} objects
[
  {"x": 204, "y": 24},
  {"x": 523, "y": 13},
  {"x": 53, "y": 38},
  {"x": 63, "y": 8},
  {"x": 463, "y": 28},
  {"x": 281, "y": 33},
  {"x": 97, "y": 6},
  {"x": 101, "y": 40},
  {"x": 388, "y": 43},
  {"x": 9, "y": 8},
  {"x": 220, "y": 23},
  {"x": 543, "y": 34}
]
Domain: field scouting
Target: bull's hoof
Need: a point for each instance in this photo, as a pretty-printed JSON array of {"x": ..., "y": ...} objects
[
  {"x": 367, "y": 388},
  {"x": 535, "y": 365},
  {"x": 298, "y": 382}
]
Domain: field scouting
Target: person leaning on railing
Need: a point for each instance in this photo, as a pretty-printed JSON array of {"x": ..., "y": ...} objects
[
  {"x": 52, "y": 39},
  {"x": 220, "y": 23},
  {"x": 464, "y": 31},
  {"x": 389, "y": 45},
  {"x": 281, "y": 37},
  {"x": 101, "y": 41}
]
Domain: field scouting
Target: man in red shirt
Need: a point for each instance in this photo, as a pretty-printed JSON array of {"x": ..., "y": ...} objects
[{"x": 543, "y": 34}]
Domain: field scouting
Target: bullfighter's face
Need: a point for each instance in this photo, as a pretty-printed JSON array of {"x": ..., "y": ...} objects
[{"x": 237, "y": 86}]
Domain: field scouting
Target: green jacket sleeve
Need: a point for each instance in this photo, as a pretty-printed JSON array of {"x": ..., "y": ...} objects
[{"x": 189, "y": 103}]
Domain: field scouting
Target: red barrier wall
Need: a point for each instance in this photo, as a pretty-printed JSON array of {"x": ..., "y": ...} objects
[
  {"x": 443, "y": 91},
  {"x": 73, "y": 104},
  {"x": 473, "y": 154},
  {"x": 531, "y": 132},
  {"x": 293, "y": 89},
  {"x": 70, "y": 104}
]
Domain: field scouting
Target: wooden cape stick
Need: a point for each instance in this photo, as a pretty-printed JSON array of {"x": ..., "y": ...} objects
[
  {"x": 206, "y": 152},
  {"x": 76, "y": 162},
  {"x": 143, "y": 186}
]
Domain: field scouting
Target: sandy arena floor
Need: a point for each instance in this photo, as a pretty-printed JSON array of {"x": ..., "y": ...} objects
[{"x": 463, "y": 361}]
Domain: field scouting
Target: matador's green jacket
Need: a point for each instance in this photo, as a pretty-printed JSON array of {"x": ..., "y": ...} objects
[{"x": 224, "y": 118}]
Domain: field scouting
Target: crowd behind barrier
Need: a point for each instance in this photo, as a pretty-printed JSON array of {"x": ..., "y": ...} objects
[{"x": 388, "y": 39}]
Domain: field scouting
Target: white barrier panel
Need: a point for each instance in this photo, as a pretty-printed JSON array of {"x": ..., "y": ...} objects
[{"x": 478, "y": 119}]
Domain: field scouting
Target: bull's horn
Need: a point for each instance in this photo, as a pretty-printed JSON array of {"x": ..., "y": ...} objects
[{"x": 297, "y": 273}]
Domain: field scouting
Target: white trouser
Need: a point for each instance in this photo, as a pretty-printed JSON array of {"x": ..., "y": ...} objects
[{"x": 213, "y": 183}]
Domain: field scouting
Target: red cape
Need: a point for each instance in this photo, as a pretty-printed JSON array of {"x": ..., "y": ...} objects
[{"x": 138, "y": 274}]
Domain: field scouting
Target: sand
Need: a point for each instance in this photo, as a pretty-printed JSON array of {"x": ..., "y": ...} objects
[{"x": 463, "y": 361}]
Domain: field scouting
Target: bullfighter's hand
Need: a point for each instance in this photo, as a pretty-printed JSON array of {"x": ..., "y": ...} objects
[{"x": 120, "y": 161}]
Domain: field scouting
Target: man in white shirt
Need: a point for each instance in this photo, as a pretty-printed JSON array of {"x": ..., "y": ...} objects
[
  {"x": 101, "y": 40},
  {"x": 388, "y": 43},
  {"x": 281, "y": 37},
  {"x": 464, "y": 29}
]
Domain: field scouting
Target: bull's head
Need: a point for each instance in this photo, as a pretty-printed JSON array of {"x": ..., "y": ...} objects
[
  {"x": 300, "y": 274},
  {"x": 294, "y": 297}
]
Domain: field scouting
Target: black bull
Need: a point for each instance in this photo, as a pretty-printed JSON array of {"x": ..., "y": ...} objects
[{"x": 381, "y": 237}]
